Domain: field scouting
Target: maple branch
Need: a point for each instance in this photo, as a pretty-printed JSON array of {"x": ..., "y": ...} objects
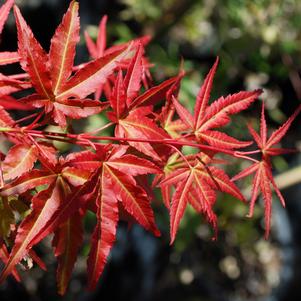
[
  {"x": 85, "y": 139},
  {"x": 84, "y": 136}
]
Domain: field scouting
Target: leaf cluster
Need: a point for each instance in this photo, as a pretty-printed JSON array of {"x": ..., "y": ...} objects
[{"x": 43, "y": 192}]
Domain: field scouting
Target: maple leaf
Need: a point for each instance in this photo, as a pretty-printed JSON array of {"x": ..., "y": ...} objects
[
  {"x": 206, "y": 117},
  {"x": 59, "y": 93},
  {"x": 44, "y": 205},
  {"x": 263, "y": 178},
  {"x": 116, "y": 183},
  {"x": 131, "y": 115},
  {"x": 195, "y": 182}
]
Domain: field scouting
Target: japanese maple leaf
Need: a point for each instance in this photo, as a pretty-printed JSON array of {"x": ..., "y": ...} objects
[
  {"x": 116, "y": 184},
  {"x": 263, "y": 178},
  {"x": 207, "y": 117},
  {"x": 195, "y": 182},
  {"x": 59, "y": 93},
  {"x": 130, "y": 112},
  {"x": 60, "y": 180}
]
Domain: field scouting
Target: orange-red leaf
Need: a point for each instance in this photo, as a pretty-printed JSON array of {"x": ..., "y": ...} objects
[{"x": 62, "y": 50}]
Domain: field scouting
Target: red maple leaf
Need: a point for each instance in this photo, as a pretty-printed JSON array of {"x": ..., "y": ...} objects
[
  {"x": 207, "y": 117},
  {"x": 263, "y": 178},
  {"x": 195, "y": 181},
  {"x": 59, "y": 93}
]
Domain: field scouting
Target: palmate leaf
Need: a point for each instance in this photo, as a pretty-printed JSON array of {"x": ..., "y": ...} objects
[
  {"x": 55, "y": 207},
  {"x": 137, "y": 126},
  {"x": 124, "y": 98},
  {"x": 263, "y": 176},
  {"x": 57, "y": 91},
  {"x": 196, "y": 184},
  {"x": 120, "y": 169},
  {"x": 110, "y": 180},
  {"x": 207, "y": 117}
]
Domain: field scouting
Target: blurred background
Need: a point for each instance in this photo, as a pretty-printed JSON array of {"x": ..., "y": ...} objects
[{"x": 259, "y": 45}]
